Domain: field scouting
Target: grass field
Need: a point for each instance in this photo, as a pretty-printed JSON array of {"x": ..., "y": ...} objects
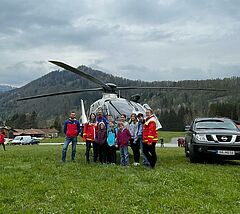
[
  {"x": 33, "y": 180},
  {"x": 166, "y": 135}
]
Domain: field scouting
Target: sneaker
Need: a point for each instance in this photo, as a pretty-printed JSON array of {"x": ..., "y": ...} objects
[{"x": 136, "y": 164}]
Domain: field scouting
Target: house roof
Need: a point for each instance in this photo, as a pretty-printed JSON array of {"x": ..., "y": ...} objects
[
  {"x": 49, "y": 131},
  {"x": 34, "y": 131},
  {"x": 28, "y": 131}
]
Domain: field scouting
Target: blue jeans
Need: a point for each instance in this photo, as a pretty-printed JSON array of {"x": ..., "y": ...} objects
[
  {"x": 145, "y": 160},
  {"x": 124, "y": 155},
  {"x": 67, "y": 141}
]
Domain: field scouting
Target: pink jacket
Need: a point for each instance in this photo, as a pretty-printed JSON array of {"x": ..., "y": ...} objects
[{"x": 123, "y": 136}]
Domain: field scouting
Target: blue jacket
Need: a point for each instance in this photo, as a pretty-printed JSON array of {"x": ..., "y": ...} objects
[
  {"x": 111, "y": 136},
  {"x": 140, "y": 130},
  {"x": 102, "y": 119}
]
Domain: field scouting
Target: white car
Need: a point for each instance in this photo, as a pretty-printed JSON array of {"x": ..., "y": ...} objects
[{"x": 22, "y": 140}]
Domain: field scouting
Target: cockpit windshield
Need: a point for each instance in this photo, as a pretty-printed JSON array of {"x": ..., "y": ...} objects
[{"x": 118, "y": 107}]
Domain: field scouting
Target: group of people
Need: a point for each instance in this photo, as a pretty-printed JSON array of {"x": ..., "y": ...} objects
[{"x": 105, "y": 136}]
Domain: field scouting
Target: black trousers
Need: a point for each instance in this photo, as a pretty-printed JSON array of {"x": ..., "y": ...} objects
[
  {"x": 3, "y": 146},
  {"x": 150, "y": 153},
  {"x": 88, "y": 148},
  {"x": 136, "y": 150},
  {"x": 89, "y": 144},
  {"x": 111, "y": 154},
  {"x": 102, "y": 149}
]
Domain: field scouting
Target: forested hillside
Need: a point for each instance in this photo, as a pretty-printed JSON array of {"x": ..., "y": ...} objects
[{"x": 174, "y": 108}]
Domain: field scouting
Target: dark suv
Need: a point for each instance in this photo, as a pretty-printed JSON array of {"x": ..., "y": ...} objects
[{"x": 218, "y": 137}]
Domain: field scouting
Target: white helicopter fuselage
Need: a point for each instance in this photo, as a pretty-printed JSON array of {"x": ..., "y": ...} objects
[{"x": 111, "y": 104}]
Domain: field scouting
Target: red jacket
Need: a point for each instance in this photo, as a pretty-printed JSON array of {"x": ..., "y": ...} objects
[
  {"x": 71, "y": 128},
  {"x": 149, "y": 130},
  {"x": 2, "y": 138},
  {"x": 89, "y": 131}
]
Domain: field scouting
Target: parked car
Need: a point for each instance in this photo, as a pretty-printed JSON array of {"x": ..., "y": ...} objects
[
  {"x": 34, "y": 141},
  {"x": 215, "y": 137},
  {"x": 22, "y": 140}
]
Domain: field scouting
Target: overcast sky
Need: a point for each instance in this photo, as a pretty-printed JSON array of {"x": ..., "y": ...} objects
[{"x": 137, "y": 39}]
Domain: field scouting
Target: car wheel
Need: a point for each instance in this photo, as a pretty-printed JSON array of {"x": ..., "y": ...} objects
[
  {"x": 186, "y": 151},
  {"x": 193, "y": 156}
]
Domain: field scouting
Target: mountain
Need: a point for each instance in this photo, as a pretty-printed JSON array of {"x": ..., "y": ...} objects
[
  {"x": 167, "y": 104},
  {"x": 4, "y": 88}
]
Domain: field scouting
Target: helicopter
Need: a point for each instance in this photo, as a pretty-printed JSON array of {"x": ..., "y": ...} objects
[{"x": 111, "y": 103}]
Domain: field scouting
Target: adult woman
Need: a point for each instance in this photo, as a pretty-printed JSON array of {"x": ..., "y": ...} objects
[
  {"x": 89, "y": 133},
  {"x": 150, "y": 138},
  {"x": 134, "y": 143}
]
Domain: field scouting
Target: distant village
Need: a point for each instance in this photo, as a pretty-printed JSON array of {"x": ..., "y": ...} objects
[{"x": 36, "y": 133}]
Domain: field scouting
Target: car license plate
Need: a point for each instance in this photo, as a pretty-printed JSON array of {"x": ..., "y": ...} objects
[{"x": 225, "y": 152}]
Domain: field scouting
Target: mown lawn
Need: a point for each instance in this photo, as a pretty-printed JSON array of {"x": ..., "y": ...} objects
[
  {"x": 166, "y": 135},
  {"x": 33, "y": 180}
]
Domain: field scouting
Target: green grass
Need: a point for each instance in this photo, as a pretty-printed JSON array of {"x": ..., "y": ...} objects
[
  {"x": 166, "y": 135},
  {"x": 33, "y": 180},
  {"x": 54, "y": 140}
]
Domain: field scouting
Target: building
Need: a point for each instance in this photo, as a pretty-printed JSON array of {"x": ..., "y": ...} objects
[
  {"x": 38, "y": 133},
  {"x": 50, "y": 133}
]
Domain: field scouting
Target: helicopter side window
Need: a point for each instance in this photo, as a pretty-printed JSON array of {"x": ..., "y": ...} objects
[
  {"x": 138, "y": 107},
  {"x": 113, "y": 111}
]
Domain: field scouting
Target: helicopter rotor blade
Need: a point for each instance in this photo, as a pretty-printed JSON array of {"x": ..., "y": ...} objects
[
  {"x": 81, "y": 73},
  {"x": 169, "y": 88},
  {"x": 59, "y": 93}
]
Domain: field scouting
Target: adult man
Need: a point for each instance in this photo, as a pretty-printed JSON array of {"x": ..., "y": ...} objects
[
  {"x": 71, "y": 131},
  {"x": 150, "y": 138},
  {"x": 101, "y": 118}
]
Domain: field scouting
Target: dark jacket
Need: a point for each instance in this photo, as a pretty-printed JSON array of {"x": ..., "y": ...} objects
[{"x": 101, "y": 136}]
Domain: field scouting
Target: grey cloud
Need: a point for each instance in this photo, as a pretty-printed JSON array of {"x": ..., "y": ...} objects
[
  {"x": 178, "y": 73},
  {"x": 124, "y": 36},
  {"x": 20, "y": 73}
]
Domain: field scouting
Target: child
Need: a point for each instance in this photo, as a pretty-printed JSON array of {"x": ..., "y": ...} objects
[
  {"x": 2, "y": 136},
  {"x": 101, "y": 139},
  {"x": 111, "y": 141},
  {"x": 123, "y": 137}
]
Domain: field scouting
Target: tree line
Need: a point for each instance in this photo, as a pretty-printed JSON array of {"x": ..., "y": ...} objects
[
  {"x": 175, "y": 108},
  {"x": 171, "y": 119}
]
